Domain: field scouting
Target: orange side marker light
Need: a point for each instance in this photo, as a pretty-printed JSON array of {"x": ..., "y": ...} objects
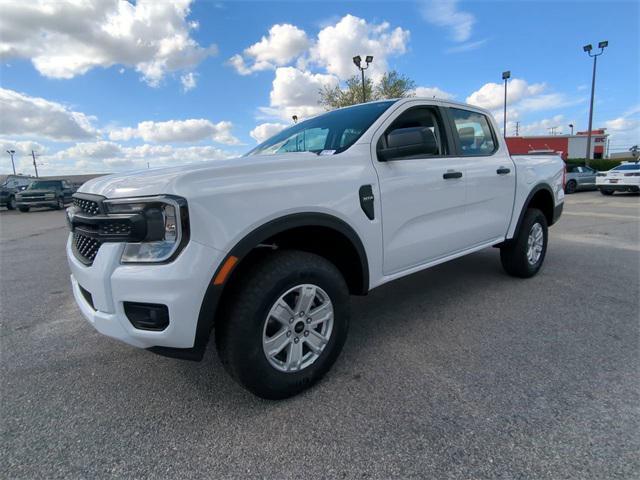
[{"x": 224, "y": 272}]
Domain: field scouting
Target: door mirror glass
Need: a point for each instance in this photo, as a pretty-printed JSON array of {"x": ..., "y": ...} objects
[{"x": 408, "y": 142}]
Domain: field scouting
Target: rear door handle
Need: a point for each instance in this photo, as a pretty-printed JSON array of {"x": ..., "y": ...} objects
[
  {"x": 450, "y": 175},
  {"x": 503, "y": 171}
]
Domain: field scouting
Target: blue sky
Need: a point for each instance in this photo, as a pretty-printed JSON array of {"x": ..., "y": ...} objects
[{"x": 112, "y": 85}]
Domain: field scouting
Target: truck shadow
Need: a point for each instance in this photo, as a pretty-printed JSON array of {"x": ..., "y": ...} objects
[{"x": 410, "y": 304}]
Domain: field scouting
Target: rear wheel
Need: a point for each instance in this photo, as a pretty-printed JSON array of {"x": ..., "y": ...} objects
[
  {"x": 570, "y": 187},
  {"x": 606, "y": 192},
  {"x": 523, "y": 256},
  {"x": 284, "y": 324},
  {"x": 23, "y": 209}
]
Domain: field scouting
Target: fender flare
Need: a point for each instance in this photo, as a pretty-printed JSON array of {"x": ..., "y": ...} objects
[
  {"x": 211, "y": 300},
  {"x": 527, "y": 202}
]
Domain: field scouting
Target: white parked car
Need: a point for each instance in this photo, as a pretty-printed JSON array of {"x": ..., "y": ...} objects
[
  {"x": 623, "y": 178},
  {"x": 266, "y": 248}
]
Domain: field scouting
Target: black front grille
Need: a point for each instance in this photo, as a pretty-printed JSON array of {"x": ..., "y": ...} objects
[
  {"x": 88, "y": 207},
  {"x": 86, "y": 248},
  {"x": 122, "y": 227}
]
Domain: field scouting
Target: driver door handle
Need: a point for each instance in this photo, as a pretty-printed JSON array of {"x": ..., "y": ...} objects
[
  {"x": 503, "y": 171},
  {"x": 450, "y": 175}
]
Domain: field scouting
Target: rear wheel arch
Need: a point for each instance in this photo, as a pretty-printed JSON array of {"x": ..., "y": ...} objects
[{"x": 542, "y": 198}]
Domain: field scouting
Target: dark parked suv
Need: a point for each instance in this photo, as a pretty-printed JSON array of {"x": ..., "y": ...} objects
[{"x": 45, "y": 193}]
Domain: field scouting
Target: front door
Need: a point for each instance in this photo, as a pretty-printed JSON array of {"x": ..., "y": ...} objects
[{"x": 423, "y": 196}]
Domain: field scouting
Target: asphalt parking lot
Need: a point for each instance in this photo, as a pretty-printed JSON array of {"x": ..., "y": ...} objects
[{"x": 456, "y": 372}]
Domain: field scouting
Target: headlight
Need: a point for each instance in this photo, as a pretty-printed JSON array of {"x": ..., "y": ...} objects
[{"x": 167, "y": 227}]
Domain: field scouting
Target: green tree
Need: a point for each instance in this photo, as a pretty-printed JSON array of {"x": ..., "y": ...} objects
[
  {"x": 391, "y": 85},
  {"x": 395, "y": 85}
]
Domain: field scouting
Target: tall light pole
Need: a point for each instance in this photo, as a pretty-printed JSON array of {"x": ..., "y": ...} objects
[
  {"x": 357, "y": 61},
  {"x": 35, "y": 166},
  {"x": 11, "y": 154},
  {"x": 571, "y": 126},
  {"x": 588, "y": 49},
  {"x": 505, "y": 76}
]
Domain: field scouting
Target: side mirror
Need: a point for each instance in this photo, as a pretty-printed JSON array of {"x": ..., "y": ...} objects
[{"x": 408, "y": 142}]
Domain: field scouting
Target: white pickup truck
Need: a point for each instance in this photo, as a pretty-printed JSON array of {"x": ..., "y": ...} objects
[{"x": 265, "y": 249}]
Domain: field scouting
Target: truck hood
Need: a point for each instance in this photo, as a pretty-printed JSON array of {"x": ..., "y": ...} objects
[{"x": 176, "y": 180}]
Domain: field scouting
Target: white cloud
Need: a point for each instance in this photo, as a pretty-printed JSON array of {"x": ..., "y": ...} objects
[
  {"x": 295, "y": 92},
  {"x": 284, "y": 43},
  {"x": 65, "y": 39},
  {"x": 433, "y": 92},
  {"x": 23, "y": 115},
  {"x": 624, "y": 130},
  {"x": 191, "y": 130},
  {"x": 466, "y": 47},
  {"x": 491, "y": 95},
  {"x": 338, "y": 44},
  {"x": 445, "y": 13},
  {"x": 189, "y": 81},
  {"x": 111, "y": 157},
  {"x": 266, "y": 130},
  {"x": 21, "y": 147}
]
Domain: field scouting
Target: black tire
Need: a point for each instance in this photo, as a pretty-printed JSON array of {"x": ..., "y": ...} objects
[
  {"x": 11, "y": 203},
  {"x": 606, "y": 192},
  {"x": 23, "y": 209},
  {"x": 239, "y": 332},
  {"x": 60, "y": 205},
  {"x": 513, "y": 254},
  {"x": 570, "y": 187}
]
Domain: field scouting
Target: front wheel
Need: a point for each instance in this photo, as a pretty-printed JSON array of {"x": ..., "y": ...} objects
[
  {"x": 606, "y": 192},
  {"x": 11, "y": 204},
  {"x": 23, "y": 209},
  {"x": 523, "y": 255},
  {"x": 284, "y": 324},
  {"x": 60, "y": 204}
]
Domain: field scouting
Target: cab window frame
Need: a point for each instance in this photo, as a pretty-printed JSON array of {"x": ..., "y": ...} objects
[{"x": 456, "y": 136}]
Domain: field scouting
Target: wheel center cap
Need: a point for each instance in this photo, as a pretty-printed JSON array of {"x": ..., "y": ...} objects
[{"x": 299, "y": 327}]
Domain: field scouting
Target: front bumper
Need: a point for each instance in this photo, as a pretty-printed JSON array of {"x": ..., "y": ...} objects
[
  {"x": 180, "y": 285},
  {"x": 37, "y": 203}
]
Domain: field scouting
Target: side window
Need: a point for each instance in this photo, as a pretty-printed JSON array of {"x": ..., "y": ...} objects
[
  {"x": 474, "y": 133},
  {"x": 428, "y": 120}
]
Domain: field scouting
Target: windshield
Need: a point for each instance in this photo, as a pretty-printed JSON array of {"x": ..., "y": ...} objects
[
  {"x": 45, "y": 185},
  {"x": 333, "y": 131}
]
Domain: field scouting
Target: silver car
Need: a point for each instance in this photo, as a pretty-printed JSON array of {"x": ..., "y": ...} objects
[{"x": 580, "y": 178}]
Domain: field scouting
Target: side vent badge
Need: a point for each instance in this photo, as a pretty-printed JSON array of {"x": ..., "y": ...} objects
[{"x": 366, "y": 201}]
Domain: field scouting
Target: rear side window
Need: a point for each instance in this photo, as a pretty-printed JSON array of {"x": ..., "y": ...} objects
[
  {"x": 628, "y": 166},
  {"x": 474, "y": 133}
]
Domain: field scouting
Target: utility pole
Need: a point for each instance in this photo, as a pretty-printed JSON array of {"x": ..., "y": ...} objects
[
  {"x": 11, "y": 154},
  {"x": 35, "y": 166},
  {"x": 588, "y": 48},
  {"x": 505, "y": 76},
  {"x": 552, "y": 130},
  {"x": 517, "y": 128}
]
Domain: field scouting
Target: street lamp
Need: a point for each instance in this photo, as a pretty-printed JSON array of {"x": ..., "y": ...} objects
[
  {"x": 571, "y": 127},
  {"x": 357, "y": 61},
  {"x": 588, "y": 49},
  {"x": 505, "y": 76},
  {"x": 11, "y": 154}
]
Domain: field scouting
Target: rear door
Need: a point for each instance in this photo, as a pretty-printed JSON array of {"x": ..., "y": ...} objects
[
  {"x": 586, "y": 176},
  {"x": 490, "y": 173},
  {"x": 422, "y": 196}
]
